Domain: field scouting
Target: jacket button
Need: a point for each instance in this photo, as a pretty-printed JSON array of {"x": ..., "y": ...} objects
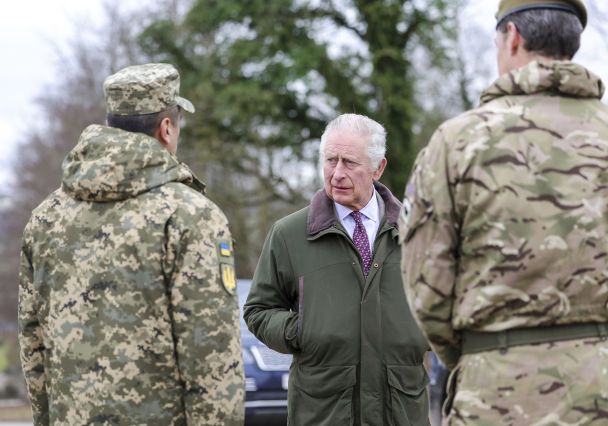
[{"x": 376, "y": 265}]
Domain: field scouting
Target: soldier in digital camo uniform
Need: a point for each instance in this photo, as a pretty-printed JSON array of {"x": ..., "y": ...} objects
[
  {"x": 127, "y": 306},
  {"x": 505, "y": 233}
]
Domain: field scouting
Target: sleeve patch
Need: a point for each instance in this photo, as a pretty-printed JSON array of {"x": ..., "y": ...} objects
[
  {"x": 225, "y": 250},
  {"x": 226, "y": 262},
  {"x": 228, "y": 277}
]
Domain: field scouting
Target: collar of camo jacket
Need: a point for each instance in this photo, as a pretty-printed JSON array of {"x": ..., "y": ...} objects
[
  {"x": 109, "y": 164},
  {"x": 561, "y": 78}
]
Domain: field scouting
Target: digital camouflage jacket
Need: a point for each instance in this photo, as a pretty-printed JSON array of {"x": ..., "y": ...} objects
[
  {"x": 505, "y": 222},
  {"x": 127, "y": 309}
]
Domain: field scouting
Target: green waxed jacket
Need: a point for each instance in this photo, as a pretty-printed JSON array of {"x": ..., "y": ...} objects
[{"x": 357, "y": 350}]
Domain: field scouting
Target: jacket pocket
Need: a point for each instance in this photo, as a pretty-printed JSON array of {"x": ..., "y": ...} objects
[
  {"x": 322, "y": 396},
  {"x": 408, "y": 395}
]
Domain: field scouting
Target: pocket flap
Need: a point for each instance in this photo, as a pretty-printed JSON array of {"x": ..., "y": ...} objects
[
  {"x": 412, "y": 380},
  {"x": 325, "y": 381}
]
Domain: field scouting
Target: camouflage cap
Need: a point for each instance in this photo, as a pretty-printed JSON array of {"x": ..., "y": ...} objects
[
  {"x": 144, "y": 89},
  {"x": 509, "y": 7}
]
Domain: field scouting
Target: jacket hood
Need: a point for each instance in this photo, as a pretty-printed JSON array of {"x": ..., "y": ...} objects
[
  {"x": 563, "y": 78},
  {"x": 110, "y": 164},
  {"x": 322, "y": 214}
]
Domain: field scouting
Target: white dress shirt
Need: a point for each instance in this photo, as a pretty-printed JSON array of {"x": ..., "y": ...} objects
[{"x": 369, "y": 217}]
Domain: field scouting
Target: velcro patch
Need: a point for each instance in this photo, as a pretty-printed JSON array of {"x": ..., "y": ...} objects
[
  {"x": 225, "y": 250},
  {"x": 226, "y": 260},
  {"x": 228, "y": 277}
]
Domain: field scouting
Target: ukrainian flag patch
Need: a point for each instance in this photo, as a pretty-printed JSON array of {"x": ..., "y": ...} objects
[{"x": 225, "y": 250}]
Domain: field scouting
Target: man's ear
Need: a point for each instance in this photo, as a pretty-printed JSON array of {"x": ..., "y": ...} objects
[
  {"x": 163, "y": 132},
  {"x": 514, "y": 39},
  {"x": 378, "y": 172}
]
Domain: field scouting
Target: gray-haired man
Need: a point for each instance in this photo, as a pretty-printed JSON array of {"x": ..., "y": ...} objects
[{"x": 328, "y": 289}]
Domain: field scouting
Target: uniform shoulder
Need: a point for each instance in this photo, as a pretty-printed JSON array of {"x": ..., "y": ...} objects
[
  {"x": 54, "y": 202},
  {"x": 466, "y": 120},
  {"x": 293, "y": 221},
  {"x": 481, "y": 122},
  {"x": 194, "y": 211},
  {"x": 50, "y": 212},
  {"x": 189, "y": 200}
]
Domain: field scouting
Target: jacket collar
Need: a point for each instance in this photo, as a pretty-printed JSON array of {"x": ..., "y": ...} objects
[
  {"x": 322, "y": 214},
  {"x": 109, "y": 164},
  {"x": 563, "y": 78}
]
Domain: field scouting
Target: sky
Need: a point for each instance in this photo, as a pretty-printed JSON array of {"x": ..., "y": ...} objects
[{"x": 31, "y": 31}]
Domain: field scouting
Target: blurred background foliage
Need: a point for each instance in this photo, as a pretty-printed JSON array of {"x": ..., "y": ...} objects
[{"x": 265, "y": 77}]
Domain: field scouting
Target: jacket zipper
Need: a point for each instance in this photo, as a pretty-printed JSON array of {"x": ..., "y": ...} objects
[{"x": 300, "y": 307}]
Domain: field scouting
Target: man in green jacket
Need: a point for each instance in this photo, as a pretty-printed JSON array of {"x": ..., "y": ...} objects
[
  {"x": 328, "y": 290},
  {"x": 506, "y": 233},
  {"x": 127, "y": 306}
]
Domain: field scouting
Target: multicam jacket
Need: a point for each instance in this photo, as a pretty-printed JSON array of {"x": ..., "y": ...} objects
[
  {"x": 505, "y": 222},
  {"x": 124, "y": 317}
]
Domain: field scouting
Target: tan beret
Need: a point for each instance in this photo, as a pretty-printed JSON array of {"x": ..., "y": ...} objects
[{"x": 509, "y": 7}]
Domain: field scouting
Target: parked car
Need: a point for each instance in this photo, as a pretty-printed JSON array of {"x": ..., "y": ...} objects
[
  {"x": 266, "y": 375},
  {"x": 438, "y": 376}
]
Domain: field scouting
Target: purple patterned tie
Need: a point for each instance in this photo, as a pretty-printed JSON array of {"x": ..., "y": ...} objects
[{"x": 362, "y": 242}]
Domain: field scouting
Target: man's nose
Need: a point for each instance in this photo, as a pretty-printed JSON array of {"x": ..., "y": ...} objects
[{"x": 339, "y": 170}]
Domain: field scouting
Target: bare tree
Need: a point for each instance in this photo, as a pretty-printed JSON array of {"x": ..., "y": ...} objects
[
  {"x": 65, "y": 108},
  {"x": 598, "y": 13}
]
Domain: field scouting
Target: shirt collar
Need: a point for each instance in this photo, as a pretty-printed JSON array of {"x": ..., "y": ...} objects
[{"x": 370, "y": 210}]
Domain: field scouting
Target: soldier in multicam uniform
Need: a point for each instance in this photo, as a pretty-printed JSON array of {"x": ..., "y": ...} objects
[
  {"x": 505, "y": 233},
  {"x": 127, "y": 306}
]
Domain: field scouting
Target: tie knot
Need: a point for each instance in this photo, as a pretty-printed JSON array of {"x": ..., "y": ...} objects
[{"x": 357, "y": 217}]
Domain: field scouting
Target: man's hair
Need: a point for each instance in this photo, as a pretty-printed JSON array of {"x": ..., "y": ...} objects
[
  {"x": 144, "y": 123},
  {"x": 552, "y": 33},
  {"x": 362, "y": 125}
]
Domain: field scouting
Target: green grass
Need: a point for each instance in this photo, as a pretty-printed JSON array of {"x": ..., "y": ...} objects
[{"x": 4, "y": 357}]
